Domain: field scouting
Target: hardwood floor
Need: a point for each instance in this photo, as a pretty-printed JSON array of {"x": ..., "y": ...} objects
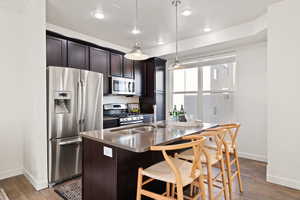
[{"x": 253, "y": 175}]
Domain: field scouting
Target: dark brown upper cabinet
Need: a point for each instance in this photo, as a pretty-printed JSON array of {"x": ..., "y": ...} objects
[
  {"x": 116, "y": 65},
  {"x": 99, "y": 62},
  {"x": 78, "y": 55},
  {"x": 155, "y": 76},
  {"x": 128, "y": 71},
  {"x": 160, "y": 80},
  {"x": 56, "y": 51},
  {"x": 139, "y": 75},
  {"x": 155, "y": 87}
]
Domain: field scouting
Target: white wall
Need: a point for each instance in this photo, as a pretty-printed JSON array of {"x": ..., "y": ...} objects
[
  {"x": 120, "y": 99},
  {"x": 250, "y": 101},
  {"x": 23, "y": 88},
  {"x": 283, "y": 93},
  {"x": 11, "y": 104},
  {"x": 35, "y": 129}
]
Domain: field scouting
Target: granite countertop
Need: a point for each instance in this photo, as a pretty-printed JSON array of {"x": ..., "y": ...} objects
[{"x": 139, "y": 138}]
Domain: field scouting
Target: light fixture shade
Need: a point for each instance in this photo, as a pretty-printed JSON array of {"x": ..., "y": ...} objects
[
  {"x": 176, "y": 65},
  {"x": 136, "y": 54}
]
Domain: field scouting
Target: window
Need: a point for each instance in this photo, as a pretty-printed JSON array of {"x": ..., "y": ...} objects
[
  {"x": 185, "y": 90},
  {"x": 206, "y": 92}
]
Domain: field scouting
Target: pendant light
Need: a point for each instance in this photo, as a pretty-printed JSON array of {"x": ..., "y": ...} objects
[
  {"x": 176, "y": 64},
  {"x": 136, "y": 53}
]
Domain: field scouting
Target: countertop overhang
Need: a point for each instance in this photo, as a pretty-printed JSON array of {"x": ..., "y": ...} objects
[{"x": 141, "y": 141}]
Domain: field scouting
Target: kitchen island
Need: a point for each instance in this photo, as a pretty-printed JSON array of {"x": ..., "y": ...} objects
[{"x": 111, "y": 157}]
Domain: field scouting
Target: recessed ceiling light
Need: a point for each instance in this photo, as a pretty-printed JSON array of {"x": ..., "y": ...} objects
[
  {"x": 207, "y": 29},
  {"x": 160, "y": 42},
  {"x": 98, "y": 15},
  {"x": 186, "y": 13},
  {"x": 135, "y": 31}
]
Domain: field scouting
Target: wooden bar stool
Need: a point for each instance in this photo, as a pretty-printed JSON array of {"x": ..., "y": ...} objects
[
  {"x": 210, "y": 157},
  {"x": 230, "y": 151},
  {"x": 175, "y": 172}
]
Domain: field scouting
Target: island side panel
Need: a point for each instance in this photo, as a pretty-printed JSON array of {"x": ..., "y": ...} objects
[
  {"x": 99, "y": 172},
  {"x": 128, "y": 164}
]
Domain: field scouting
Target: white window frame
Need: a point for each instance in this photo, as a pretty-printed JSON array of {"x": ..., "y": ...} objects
[{"x": 231, "y": 58}]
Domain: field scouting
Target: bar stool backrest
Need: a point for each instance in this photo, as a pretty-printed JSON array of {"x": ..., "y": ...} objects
[
  {"x": 218, "y": 138},
  {"x": 196, "y": 145},
  {"x": 232, "y": 131}
]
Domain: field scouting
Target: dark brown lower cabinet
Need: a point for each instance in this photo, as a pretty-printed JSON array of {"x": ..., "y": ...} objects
[{"x": 114, "y": 178}]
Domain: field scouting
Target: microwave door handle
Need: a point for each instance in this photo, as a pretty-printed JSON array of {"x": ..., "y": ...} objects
[
  {"x": 133, "y": 87},
  {"x": 129, "y": 87}
]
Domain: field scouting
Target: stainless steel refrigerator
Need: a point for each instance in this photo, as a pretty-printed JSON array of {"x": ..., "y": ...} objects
[{"x": 75, "y": 104}]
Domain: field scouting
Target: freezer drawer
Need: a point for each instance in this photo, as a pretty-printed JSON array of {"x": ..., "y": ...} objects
[{"x": 64, "y": 159}]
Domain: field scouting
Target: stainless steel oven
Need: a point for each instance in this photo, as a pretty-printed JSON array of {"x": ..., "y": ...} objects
[{"x": 122, "y": 86}]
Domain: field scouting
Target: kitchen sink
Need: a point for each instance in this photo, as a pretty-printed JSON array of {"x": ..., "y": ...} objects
[
  {"x": 134, "y": 129},
  {"x": 127, "y": 132},
  {"x": 146, "y": 128}
]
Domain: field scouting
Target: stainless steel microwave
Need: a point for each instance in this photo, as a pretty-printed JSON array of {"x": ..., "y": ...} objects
[{"x": 122, "y": 86}]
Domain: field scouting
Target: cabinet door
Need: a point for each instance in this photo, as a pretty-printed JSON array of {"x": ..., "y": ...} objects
[
  {"x": 139, "y": 75},
  {"x": 161, "y": 105},
  {"x": 128, "y": 68},
  {"x": 56, "y": 51},
  {"x": 160, "y": 74},
  {"x": 99, "y": 62},
  {"x": 160, "y": 79},
  {"x": 78, "y": 56},
  {"x": 150, "y": 79},
  {"x": 116, "y": 64}
]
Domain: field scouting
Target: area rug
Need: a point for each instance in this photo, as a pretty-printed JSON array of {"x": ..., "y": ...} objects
[
  {"x": 3, "y": 195},
  {"x": 69, "y": 190}
]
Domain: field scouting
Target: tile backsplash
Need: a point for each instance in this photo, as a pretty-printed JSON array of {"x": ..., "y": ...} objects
[{"x": 120, "y": 99}]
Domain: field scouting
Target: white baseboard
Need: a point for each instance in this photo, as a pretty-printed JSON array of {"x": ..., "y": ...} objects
[
  {"x": 10, "y": 173},
  {"x": 253, "y": 157},
  {"x": 38, "y": 185},
  {"x": 291, "y": 183}
]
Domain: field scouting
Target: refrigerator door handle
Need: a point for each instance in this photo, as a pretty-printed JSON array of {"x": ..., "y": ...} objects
[
  {"x": 83, "y": 102},
  {"x": 75, "y": 141},
  {"x": 79, "y": 88}
]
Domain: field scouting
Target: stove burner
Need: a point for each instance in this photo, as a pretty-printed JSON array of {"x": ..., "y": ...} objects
[{"x": 120, "y": 111}]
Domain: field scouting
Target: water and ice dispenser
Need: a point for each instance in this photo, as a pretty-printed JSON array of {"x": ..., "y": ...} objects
[{"x": 62, "y": 102}]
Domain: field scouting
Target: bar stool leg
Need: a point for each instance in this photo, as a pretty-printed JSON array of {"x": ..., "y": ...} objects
[
  {"x": 223, "y": 178},
  {"x": 173, "y": 191},
  {"x": 179, "y": 192},
  {"x": 202, "y": 188},
  {"x": 168, "y": 190},
  {"x": 209, "y": 182},
  {"x": 139, "y": 185},
  {"x": 228, "y": 168},
  {"x": 237, "y": 163}
]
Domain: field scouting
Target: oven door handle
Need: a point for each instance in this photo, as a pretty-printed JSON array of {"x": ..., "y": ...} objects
[{"x": 134, "y": 122}]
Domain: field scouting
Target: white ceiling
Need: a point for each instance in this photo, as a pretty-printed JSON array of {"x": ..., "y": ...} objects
[{"x": 157, "y": 18}]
